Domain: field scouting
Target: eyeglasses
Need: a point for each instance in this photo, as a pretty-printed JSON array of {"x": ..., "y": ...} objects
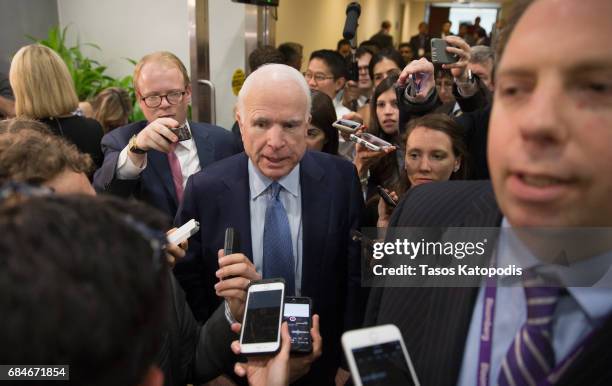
[
  {"x": 153, "y": 101},
  {"x": 317, "y": 77}
]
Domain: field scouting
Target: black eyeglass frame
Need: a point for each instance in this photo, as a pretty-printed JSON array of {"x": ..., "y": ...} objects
[{"x": 161, "y": 99}]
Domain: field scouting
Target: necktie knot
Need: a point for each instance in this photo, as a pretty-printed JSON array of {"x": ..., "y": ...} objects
[
  {"x": 541, "y": 304},
  {"x": 275, "y": 188}
]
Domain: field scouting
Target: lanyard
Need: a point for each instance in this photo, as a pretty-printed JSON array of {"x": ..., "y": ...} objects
[{"x": 486, "y": 341}]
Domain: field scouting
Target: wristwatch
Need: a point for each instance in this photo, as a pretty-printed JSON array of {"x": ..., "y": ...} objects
[{"x": 134, "y": 148}]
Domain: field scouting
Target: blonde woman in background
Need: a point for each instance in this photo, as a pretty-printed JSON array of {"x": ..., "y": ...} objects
[{"x": 44, "y": 91}]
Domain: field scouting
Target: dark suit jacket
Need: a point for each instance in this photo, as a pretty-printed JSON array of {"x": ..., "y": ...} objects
[
  {"x": 155, "y": 184},
  {"x": 190, "y": 352},
  {"x": 331, "y": 207},
  {"x": 435, "y": 321},
  {"x": 415, "y": 44}
]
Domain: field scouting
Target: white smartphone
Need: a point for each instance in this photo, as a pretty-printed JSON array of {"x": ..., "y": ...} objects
[
  {"x": 346, "y": 126},
  {"x": 370, "y": 141},
  {"x": 378, "y": 356},
  {"x": 186, "y": 230},
  {"x": 263, "y": 316}
]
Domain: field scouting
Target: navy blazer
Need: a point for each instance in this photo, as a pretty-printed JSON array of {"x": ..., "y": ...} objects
[
  {"x": 331, "y": 207},
  {"x": 155, "y": 185}
]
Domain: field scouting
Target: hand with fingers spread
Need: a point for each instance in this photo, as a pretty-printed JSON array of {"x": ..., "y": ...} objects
[
  {"x": 175, "y": 252},
  {"x": 459, "y": 47},
  {"x": 271, "y": 370},
  {"x": 157, "y": 135},
  {"x": 235, "y": 272},
  {"x": 422, "y": 71}
]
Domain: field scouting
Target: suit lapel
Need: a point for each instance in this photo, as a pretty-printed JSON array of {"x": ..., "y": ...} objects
[
  {"x": 238, "y": 209},
  {"x": 205, "y": 147},
  {"x": 315, "y": 220}
]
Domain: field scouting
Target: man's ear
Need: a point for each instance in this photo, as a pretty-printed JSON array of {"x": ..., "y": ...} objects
[
  {"x": 188, "y": 93},
  {"x": 153, "y": 377},
  {"x": 239, "y": 120},
  {"x": 339, "y": 83}
]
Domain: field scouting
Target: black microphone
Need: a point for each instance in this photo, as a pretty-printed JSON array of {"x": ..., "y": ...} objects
[{"x": 353, "y": 10}]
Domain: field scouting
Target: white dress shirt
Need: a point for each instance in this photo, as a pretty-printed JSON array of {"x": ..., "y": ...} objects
[{"x": 186, "y": 152}]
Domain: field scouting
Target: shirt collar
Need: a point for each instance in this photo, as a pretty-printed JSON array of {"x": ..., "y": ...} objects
[
  {"x": 258, "y": 183},
  {"x": 595, "y": 302}
]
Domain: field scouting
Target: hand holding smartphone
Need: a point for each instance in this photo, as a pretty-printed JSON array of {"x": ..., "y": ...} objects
[
  {"x": 186, "y": 230},
  {"x": 377, "y": 356},
  {"x": 298, "y": 314},
  {"x": 386, "y": 196},
  {"x": 182, "y": 132},
  {"x": 370, "y": 141},
  {"x": 262, "y": 320},
  {"x": 439, "y": 55},
  {"x": 347, "y": 126}
]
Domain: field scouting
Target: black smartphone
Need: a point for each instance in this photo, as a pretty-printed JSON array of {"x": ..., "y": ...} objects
[
  {"x": 386, "y": 197},
  {"x": 230, "y": 244},
  {"x": 439, "y": 54},
  {"x": 182, "y": 132},
  {"x": 298, "y": 315}
]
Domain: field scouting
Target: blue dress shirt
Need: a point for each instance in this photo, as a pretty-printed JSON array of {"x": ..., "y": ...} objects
[
  {"x": 575, "y": 317},
  {"x": 290, "y": 196}
]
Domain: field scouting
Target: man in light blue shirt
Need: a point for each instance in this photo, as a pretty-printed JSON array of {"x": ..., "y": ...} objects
[
  {"x": 550, "y": 160},
  {"x": 293, "y": 210}
]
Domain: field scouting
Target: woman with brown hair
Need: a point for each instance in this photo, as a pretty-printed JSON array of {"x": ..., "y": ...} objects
[
  {"x": 44, "y": 91},
  {"x": 435, "y": 151}
]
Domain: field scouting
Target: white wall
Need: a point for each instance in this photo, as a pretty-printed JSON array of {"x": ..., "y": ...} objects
[
  {"x": 227, "y": 53},
  {"x": 127, "y": 29}
]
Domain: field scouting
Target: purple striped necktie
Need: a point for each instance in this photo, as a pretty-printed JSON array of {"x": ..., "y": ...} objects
[{"x": 531, "y": 357}]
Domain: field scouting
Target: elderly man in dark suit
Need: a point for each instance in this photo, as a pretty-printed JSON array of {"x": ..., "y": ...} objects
[
  {"x": 145, "y": 159},
  {"x": 550, "y": 164},
  {"x": 293, "y": 209}
]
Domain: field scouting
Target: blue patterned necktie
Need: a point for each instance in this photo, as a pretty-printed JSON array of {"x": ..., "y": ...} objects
[
  {"x": 277, "y": 245},
  {"x": 531, "y": 357}
]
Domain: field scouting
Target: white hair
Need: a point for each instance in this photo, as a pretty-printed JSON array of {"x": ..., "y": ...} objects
[{"x": 273, "y": 72}]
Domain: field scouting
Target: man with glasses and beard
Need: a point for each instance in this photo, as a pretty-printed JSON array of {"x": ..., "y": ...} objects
[{"x": 151, "y": 160}]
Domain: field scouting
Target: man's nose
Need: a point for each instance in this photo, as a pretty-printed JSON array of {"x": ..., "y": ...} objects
[
  {"x": 541, "y": 123},
  {"x": 276, "y": 137}
]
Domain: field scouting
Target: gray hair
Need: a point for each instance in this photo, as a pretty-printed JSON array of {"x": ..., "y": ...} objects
[
  {"x": 273, "y": 72},
  {"x": 481, "y": 55}
]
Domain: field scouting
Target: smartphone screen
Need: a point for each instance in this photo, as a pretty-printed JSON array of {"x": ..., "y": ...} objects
[
  {"x": 262, "y": 316},
  {"x": 182, "y": 133},
  {"x": 351, "y": 124},
  {"x": 383, "y": 364},
  {"x": 297, "y": 315},
  {"x": 375, "y": 140}
]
